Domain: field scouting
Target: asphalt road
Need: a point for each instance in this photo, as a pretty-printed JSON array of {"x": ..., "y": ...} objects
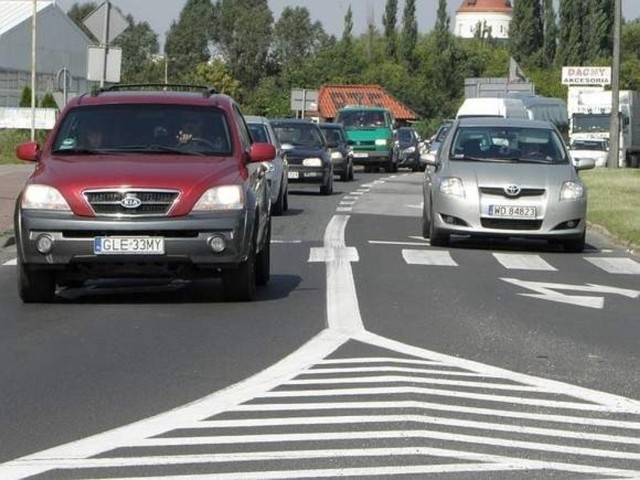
[{"x": 369, "y": 355}]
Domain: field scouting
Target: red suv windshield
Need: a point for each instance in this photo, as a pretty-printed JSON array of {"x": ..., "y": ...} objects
[{"x": 144, "y": 128}]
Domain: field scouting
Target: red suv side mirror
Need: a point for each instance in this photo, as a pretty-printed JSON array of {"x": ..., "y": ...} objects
[
  {"x": 261, "y": 152},
  {"x": 28, "y": 151}
]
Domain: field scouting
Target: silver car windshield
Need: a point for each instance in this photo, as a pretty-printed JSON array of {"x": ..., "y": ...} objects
[{"x": 508, "y": 144}]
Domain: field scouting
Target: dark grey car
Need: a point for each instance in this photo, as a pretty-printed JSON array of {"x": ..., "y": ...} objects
[
  {"x": 340, "y": 150},
  {"x": 306, "y": 152}
]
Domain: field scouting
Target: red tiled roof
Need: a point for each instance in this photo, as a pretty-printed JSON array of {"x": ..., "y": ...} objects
[
  {"x": 333, "y": 97},
  {"x": 486, "y": 6}
]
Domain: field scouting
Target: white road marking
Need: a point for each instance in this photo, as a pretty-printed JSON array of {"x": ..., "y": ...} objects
[
  {"x": 547, "y": 291},
  {"x": 357, "y": 193},
  {"x": 422, "y": 239},
  {"x": 619, "y": 266},
  {"x": 347, "y": 203},
  {"x": 344, "y": 209},
  {"x": 517, "y": 261},
  {"x": 383, "y": 242},
  {"x": 422, "y": 371},
  {"x": 276, "y": 241},
  {"x": 10, "y": 263},
  {"x": 350, "y": 197},
  {"x": 345, "y": 324},
  {"x": 428, "y": 257}
]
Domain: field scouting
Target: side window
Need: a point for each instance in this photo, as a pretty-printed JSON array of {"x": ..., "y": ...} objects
[{"x": 243, "y": 130}]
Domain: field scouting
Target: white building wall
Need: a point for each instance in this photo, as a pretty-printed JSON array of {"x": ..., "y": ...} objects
[
  {"x": 60, "y": 43},
  {"x": 466, "y": 23}
]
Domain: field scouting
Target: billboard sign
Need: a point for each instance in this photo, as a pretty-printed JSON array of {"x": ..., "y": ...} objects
[{"x": 593, "y": 76}]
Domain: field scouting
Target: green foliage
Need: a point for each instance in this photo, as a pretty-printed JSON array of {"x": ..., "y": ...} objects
[
  {"x": 215, "y": 74},
  {"x": 187, "y": 42},
  {"x": 25, "y": 97},
  {"x": 10, "y": 139},
  {"x": 389, "y": 21},
  {"x": 140, "y": 47},
  {"x": 550, "y": 42},
  {"x": 243, "y": 34},
  {"x": 525, "y": 31},
  {"x": 347, "y": 31},
  {"x": 571, "y": 45},
  {"x": 48, "y": 101},
  {"x": 409, "y": 38}
]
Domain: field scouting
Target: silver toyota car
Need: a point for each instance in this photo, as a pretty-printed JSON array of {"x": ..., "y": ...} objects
[{"x": 504, "y": 177}]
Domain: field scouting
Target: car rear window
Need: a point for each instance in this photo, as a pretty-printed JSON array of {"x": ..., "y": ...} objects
[
  {"x": 299, "y": 135},
  {"x": 258, "y": 132},
  {"x": 182, "y": 129}
]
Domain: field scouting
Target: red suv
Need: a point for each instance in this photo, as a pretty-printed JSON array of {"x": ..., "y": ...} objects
[{"x": 145, "y": 181}]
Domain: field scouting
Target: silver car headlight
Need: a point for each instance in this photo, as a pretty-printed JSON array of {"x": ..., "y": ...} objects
[
  {"x": 312, "y": 162},
  {"x": 43, "y": 197},
  {"x": 226, "y": 197},
  {"x": 571, "y": 191},
  {"x": 452, "y": 187},
  {"x": 381, "y": 142},
  {"x": 336, "y": 156},
  {"x": 409, "y": 150}
]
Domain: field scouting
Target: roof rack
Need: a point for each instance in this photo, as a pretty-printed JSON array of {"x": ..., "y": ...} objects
[{"x": 175, "y": 87}]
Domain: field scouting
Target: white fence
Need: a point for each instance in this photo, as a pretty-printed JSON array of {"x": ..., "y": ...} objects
[{"x": 20, "y": 118}]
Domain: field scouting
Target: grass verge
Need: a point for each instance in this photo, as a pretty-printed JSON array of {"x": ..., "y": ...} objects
[{"x": 614, "y": 202}]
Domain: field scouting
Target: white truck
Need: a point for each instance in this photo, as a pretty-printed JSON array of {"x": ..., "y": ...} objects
[{"x": 589, "y": 110}]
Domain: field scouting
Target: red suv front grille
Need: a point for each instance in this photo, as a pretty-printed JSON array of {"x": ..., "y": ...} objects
[{"x": 132, "y": 203}]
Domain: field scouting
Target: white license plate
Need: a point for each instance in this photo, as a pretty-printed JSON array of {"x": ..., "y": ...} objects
[
  {"x": 512, "y": 211},
  {"x": 293, "y": 175},
  {"x": 360, "y": 155},
  {"x": 128, "y": 245}
]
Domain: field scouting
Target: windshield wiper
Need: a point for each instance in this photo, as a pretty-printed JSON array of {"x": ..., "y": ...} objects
[
  {"x": 78, "y": 151},
  {"x": 155, "y": 148}
]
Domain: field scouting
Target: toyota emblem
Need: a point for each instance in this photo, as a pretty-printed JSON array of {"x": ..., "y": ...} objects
[
  {"x": 130, "y": 201},
  {"x": 512, "y": 190}
]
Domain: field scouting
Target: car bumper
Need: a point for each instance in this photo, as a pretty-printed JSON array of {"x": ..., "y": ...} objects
[
  {"x": 371, "y": 157},
  {"x": 186, "y": 242},
  {"x": 302, "y": 174},
  {"x": 559, "y": 220}
]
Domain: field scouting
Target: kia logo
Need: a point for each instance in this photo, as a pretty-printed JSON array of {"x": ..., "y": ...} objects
[
  {"x": 130, "y": 201},
  {"x": 512, "y": 190}
]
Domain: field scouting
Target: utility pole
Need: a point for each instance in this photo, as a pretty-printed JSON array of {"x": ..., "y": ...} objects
[
  {"x": 34, "y": 48},
  {"x": 614, "y": 128}
]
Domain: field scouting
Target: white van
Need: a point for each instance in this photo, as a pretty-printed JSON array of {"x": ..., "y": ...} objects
[{"x": 493, "y": 107}]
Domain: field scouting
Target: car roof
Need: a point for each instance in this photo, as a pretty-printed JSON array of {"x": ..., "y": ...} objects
[
  {"x": 503, "y": 122},
  {"x": 193, "y": 95},
  {"x": 364, "y": 107},
  {"x": 255, "y": 119},
  {"x": 292, "y": 121}
]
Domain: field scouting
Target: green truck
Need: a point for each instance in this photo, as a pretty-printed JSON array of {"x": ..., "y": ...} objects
[{"x": 370, "y": 131}]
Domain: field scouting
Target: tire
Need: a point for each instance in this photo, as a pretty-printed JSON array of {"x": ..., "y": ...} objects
[
  {"x": 263, "y": 259},
  {"x": 36, "y": 286},
  {"x": 436, "y": 237},
  {"x": 328, "y": 188},
  {"x": 425, "y": 223},
  {"x": 277, "y": 208},
  {"x": 285, "y": 200},
  {"x": 350, "y": 171},
  {"x": 574, "y": 246},
  {"x": 344, "y": 176},
  {"x": 239, "y": 284}
]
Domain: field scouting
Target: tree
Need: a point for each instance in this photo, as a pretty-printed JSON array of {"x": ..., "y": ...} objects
[
  {"x": 347, "y": 32},
  {"x": 389, "y": 21},
  {"x": 571, "y": 49},
  {"x": 294, "y": 36},
  {"x": 140, "y": 46},
  {"x": 550, "y": 33},
  {"x": 409, "y": 31},
  {"x": 526, "y": 29},
  {"x": 25, "y": 98},
  {"x": 78, "y": 12},
  {"x": 598, "y": 29},
  {"x": 243, "y": 34},
  {"x": 48, "y": 101},
  {"x": 187, "y": 42}
]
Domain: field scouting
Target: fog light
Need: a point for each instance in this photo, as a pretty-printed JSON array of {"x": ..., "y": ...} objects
[
  {"x": 449, "y": 220},
  {"x": 217, "y": 244},
  {"x": 44, "y": 244},
  {"x": 572, "y": 224}
]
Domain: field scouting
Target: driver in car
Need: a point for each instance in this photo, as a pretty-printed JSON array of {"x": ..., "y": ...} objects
[{"x": 192, "y": 127}]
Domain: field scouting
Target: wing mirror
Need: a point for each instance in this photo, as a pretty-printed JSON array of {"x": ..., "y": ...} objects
[{"x": 29, "y": 151}]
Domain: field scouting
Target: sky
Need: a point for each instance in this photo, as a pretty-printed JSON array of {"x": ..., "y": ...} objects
[{"x": 161, "y": 13}]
